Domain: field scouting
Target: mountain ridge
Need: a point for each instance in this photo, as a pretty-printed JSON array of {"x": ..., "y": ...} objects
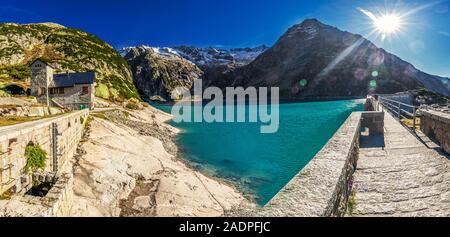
[
  {"x": 308, "y": 51},
  {"x": 312, "y": 59}
]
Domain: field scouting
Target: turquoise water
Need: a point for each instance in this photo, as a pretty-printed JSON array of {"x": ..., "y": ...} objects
[{"x": 261, "y": 164}]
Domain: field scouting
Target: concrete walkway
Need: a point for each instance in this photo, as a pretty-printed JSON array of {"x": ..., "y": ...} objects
[{"x": 399, "y": 176}]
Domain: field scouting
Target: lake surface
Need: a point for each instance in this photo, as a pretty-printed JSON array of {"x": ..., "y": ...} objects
[{"x": 262, "y": 164}]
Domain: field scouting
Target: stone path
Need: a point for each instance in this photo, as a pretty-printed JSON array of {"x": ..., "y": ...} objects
[{"x": 399, "y": 176}]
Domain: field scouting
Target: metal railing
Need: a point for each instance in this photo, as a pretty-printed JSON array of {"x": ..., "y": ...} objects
[{"x": 400, "y": 111}]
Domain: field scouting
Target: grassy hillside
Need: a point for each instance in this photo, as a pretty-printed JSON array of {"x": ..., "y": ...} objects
[{"x": 68, "y": 50}]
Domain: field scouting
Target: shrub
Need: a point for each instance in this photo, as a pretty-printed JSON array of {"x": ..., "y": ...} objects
[
  {"x": 35, "y": 156},
  {"x": 133, "y": 104},
  {"x": 102, "y": 91},
  {"x": 4, "y": 94}
]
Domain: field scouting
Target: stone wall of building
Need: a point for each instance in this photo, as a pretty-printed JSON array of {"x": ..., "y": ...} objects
[
  {"x": 436, "y": 125},
  {"x": 41, "y": 75},
  {"x": 58, "y": 136},
  {"x": 73, "y": 97}
]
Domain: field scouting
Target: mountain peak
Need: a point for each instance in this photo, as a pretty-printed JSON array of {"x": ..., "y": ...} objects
[
  {"x": 309, "y": 28},
  {"x": 311, "y": 21},
  {"x": 47, "y": 24},
  {"x": 335, "y": 63}
]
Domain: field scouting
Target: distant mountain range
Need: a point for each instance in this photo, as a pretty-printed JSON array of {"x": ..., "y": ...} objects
[
  {"x": 310, "y": 60},
  {"x": 207, "y": 56},
  {"x": 159, "y": 70}
]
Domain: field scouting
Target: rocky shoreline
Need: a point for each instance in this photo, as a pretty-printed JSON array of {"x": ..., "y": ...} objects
[{"x": 129, "y": 166}]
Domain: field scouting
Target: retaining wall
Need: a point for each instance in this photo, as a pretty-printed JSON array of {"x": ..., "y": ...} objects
[{"x": 58, "y": 136}]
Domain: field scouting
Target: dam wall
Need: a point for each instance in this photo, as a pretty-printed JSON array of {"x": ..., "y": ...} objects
[
  {"x": 57, "y": 136},
  {"x": 323, "y": 187}
]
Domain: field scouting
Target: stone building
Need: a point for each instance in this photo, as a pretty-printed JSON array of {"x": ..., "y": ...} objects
[{"x": 68, "y": 90}]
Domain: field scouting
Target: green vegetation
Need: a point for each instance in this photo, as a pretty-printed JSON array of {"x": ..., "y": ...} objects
[
  {"x": 35, "y": 156},
  {"x": 351, "y": 203},
  {"x": 11, "y": 120},
  {"x": 102, "y": 91},
  {"x": 4, "y": 94},
  {"x": 133, "y": 104},
  {"x": 70, "y": 50},
  {"x": 122, "y": 89},
  {"x": 88, "y": 123},
  {"x": 6, "y": 195},
  {"x": 410, "y": 124},
  {"x": 17, "y": 71},
  {"x": 100, "y": 115}
]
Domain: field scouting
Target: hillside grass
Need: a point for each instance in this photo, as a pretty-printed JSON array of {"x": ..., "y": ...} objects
[{"x": 13, "y": 120}]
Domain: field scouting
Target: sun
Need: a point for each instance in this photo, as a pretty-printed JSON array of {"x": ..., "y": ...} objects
[{"x": 388, "y": 24}]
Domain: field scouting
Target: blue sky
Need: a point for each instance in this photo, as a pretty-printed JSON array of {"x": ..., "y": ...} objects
[{"x": 423, "y": 41}]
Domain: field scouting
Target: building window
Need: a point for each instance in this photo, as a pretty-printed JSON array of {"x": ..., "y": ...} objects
[
  {"x": 57, "y": 90},
  {"x": 85, "y": 90}
]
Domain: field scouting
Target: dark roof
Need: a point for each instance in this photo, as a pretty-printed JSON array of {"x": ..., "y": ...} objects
[{"x": 71, "y": 79}]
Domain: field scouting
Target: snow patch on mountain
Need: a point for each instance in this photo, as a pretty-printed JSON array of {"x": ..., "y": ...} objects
[{"x": 206, "y": 56}]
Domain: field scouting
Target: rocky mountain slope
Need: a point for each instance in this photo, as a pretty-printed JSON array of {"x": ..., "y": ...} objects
[
  {"x": 68, "y": 50},
  {"x": 215, "y": 56},
  {"x": 158, "y": 73},
  {"x": 158, "y": 70},
  {"x": 316, "y": 60},
  {"x": 208, "y": 56},
  {"x": 216, "y": 63}
]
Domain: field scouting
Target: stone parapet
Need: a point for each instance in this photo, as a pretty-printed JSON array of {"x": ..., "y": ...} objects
[
  {"x": 436, "y": 125},
  {"x": 374, "y": 121},
  {"x": 323, "y": 187}
]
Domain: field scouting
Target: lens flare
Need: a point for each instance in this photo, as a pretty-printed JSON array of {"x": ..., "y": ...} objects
[{"x": 375, "y": 74}]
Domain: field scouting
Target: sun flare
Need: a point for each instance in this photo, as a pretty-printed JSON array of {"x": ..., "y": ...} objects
[{"x": 388, "y": 24}]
